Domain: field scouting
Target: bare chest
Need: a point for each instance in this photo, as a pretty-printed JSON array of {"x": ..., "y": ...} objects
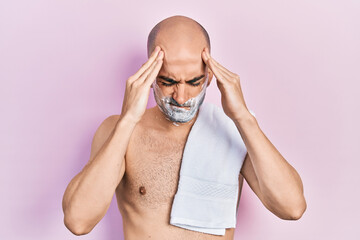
[{"x": 153, "y": 163}]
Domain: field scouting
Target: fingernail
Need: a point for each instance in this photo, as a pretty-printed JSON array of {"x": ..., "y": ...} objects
[
  {"x": 157, "y": 48},
  {"x": 205, "y": 55},
  {"x": 161, "y": 53}
]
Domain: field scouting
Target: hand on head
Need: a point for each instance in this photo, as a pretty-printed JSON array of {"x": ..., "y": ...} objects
[{"x": 138, "y": 87}]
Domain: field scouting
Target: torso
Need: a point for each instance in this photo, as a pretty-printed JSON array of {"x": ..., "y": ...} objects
[{"x": 147, "y": 189}]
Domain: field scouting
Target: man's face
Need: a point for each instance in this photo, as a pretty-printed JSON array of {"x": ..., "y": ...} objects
[{"x": 180, "y": 86}]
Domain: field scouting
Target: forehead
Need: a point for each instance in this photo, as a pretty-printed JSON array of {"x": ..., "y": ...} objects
[
  {"x": 182, "y": 60},
  {"x": 182, "y": 46}
]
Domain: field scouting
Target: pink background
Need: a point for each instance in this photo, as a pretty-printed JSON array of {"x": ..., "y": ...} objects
[{"x": 63, "y": 69}]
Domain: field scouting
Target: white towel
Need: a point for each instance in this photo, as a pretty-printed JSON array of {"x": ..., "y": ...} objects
[{"x": 209, "y": 175}]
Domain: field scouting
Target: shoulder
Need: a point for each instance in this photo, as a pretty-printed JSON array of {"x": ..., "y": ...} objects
[
  {"x": 110, "y": 121},
  {"x": 148, "y": 119},
  {"x": 107, "y": 125},
  {"x": 102, "y": 133}
]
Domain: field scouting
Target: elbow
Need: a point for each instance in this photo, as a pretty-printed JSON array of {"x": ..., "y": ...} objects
[
  {"x": 75, "y": 227},
  {"x": 297, "y": 212},
  {"x": 288, "y": 209}
]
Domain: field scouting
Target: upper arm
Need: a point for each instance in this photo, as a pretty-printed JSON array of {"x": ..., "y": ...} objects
[
  {"x": 102, "y": 134},
  {"x": 247, "y": 171}
]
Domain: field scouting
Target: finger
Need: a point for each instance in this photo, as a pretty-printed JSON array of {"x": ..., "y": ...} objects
[
  {"x": 215, "y": 65},
  {"x": 146, "y": 64},
  {"x": 220, "y": 76},
  {"x": 218, "y": 65},
  {"x": 143, "y": 77},
  {"x": 207, "y": 59},
  {"x": 204, "y": 57},
  {"x": 152, "y": 76},
  {"x": 227, "y": 72}
]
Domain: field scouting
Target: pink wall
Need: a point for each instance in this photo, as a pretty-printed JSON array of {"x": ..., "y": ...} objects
[{"x": 63, "y": 68}]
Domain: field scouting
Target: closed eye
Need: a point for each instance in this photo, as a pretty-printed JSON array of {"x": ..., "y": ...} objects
[
  {"x": 195, "y": 84},
  {"x": 170, "y": 84}
]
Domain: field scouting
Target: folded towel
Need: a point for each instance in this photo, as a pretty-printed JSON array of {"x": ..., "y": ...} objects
[{"x": 209, "y": 175}]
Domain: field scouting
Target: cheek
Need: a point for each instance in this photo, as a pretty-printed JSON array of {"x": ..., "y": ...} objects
[
  {"x": 194, "y": 91},
  {"x": 164, "y": 90},
  {"x": 167, "y": 91}
]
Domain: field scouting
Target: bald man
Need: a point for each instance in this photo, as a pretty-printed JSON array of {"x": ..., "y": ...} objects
[{"x": 137, "y": 154}]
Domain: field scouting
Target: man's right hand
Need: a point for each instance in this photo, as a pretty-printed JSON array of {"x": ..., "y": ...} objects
[
  {"x": 89, "y": 193},
  {"x": 138, "y": 87}
]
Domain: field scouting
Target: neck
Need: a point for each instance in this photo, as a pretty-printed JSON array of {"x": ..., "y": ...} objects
[{"x": 171, "y": 126}]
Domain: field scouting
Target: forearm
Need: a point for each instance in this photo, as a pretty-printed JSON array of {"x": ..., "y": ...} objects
[
  {"x": 89, "y": 194},
  {"x": 280, "y": 185}
]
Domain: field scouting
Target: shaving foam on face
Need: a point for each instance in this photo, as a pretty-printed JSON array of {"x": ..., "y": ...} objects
[{"x": 173, "y": 110}]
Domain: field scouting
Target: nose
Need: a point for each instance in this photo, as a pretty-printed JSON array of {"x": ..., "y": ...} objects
[{"x": 179, "y": 94}]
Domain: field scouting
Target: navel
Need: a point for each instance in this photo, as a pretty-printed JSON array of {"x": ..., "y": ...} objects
[{"x": 142, "y": 190}]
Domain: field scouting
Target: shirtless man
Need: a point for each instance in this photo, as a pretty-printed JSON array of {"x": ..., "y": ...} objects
[{"x": 137, "y": 154}]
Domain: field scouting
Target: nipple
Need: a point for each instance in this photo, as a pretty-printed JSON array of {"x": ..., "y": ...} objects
[{"x": 142, "y": 190}]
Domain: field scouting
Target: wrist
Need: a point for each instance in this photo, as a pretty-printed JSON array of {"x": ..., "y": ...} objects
[
  {"x": 245, "y": 118},
  {"x": 127, "y": 120}
]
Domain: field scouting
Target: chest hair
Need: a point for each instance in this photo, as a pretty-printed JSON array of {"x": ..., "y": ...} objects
[{"x": 152, "y": 168}]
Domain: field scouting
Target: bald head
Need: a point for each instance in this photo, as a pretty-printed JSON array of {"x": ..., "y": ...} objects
[
  {"x": 182, "y": 40},
  {"x": 183, "y": 74},
  {"x": 178, "y": 32}
]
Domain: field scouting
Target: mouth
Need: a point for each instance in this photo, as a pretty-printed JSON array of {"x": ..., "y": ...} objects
[{"x": 174, "y": 106}]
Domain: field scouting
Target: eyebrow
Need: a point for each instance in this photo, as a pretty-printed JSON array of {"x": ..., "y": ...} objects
[{"x": 170, "y": 80}]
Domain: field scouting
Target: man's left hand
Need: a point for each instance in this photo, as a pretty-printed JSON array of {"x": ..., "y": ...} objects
[{"x": 232, "y": 98}]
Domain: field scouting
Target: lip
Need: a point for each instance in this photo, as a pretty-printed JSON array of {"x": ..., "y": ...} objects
[{"x": 187, "y": 108}]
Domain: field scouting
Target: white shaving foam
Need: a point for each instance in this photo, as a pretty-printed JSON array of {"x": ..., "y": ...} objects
[{"x": 177, "y": 114}]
